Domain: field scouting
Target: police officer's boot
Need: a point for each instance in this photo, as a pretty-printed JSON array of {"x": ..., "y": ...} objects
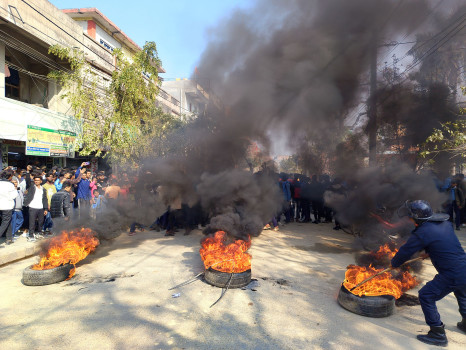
[
  {"x": 436, "y": 336},
  {"x": 462, "y": 325}
]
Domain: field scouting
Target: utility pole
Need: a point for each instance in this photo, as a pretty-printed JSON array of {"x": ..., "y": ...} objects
[{"x": 372, "y": 105}]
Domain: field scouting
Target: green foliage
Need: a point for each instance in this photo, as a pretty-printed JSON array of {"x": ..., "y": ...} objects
[
  {"x": 450, "y": 137},
  {"x": 119, "y": 119},
  {"x": 289, "y": 165}
]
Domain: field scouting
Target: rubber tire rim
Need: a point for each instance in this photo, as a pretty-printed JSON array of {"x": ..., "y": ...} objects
[
  {"x": 220, "y": 279},
  {"x": 43, "y": 277},
  {"x": 370, "y": 306}
]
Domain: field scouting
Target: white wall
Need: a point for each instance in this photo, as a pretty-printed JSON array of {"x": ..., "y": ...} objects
[{"x": 101, "y": 34}]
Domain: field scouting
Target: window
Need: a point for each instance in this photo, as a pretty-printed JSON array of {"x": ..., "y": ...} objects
[{"x": 12, "y": 85}]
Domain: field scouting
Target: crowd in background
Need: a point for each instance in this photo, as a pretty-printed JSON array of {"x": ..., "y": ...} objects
[{"x": 35, "y": 199}]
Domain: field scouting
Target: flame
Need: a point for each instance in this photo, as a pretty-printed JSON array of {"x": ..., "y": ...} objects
[
  {"x": 225, "y": 258},
  {"x": 387, "y": 283},
  {"x": 69, "y": 247},
  {"x": 384, "y": 252},
  {"x": 384, "y": 284}
]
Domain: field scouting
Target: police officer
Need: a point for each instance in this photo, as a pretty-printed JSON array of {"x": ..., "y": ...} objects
[{"x": 435, "y": 235}]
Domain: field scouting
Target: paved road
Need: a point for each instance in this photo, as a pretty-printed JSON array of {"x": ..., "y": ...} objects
[{"x": 119, "y": 299}]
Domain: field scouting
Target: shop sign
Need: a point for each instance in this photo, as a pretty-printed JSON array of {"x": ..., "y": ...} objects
[{"x": 49, "y": 143}]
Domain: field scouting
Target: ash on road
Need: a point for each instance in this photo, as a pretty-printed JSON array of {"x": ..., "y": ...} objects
[{"x": 119, "y": 299}]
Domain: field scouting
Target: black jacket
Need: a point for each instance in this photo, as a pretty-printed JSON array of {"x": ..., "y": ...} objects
[
  {"x": 60, "y": 205},
  {"x": 30, "y": 195}
]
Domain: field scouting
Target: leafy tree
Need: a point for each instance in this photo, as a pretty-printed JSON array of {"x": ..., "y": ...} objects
[
  {"x": 449, "y": 138},
  {"x": 118, "y": 119}
]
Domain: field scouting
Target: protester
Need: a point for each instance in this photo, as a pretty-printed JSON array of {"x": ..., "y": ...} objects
[
  {"x": 83, "y": 191},
  {"x": 17, "y": 217},
  {"x": 60, "y": 205},
  {"x": 8, "y": 194},
  {"x": 50, "y": 189},
  {"x": 97, "y": 204},
  {"x": 36, "y": 200}
]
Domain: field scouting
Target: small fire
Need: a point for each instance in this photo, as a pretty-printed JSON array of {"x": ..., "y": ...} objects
[
  {"x": 385, "y": 284},
  {"x": 69, "y": 247},
  {"x": 388, "y": 283},
  {"x": 384, "y": 252},
  {"x": 225, "y": 258}
]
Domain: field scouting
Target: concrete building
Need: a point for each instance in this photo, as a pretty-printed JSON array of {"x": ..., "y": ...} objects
[
  {"x": 97, "y": 26},
  {"x": 35, "y": 122},
  {"x": 192, "y": 96}
]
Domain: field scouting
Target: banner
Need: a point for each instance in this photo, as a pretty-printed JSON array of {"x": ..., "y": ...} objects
[{"x": 49, "y": 143}]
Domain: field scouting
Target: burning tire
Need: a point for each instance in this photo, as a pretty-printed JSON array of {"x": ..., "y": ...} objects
[
  {"x": 220, "y": 279},
  {"x": 370, "y": 306},
  {"x": 43, "y": 277}
]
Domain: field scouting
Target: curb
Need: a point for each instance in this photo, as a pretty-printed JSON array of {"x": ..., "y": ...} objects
[{"x": 8, "y": 255}]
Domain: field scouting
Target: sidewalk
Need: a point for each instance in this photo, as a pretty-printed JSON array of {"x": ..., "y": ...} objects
[{"x": 20, "y": 249}]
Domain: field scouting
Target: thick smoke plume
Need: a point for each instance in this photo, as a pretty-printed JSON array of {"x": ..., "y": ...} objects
[{"x": 284, "y": 69}]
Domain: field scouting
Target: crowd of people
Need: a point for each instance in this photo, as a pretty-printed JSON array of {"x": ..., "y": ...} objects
[
  {"x": 34, "y": 199},
  {"x": 303, "y": 199}
]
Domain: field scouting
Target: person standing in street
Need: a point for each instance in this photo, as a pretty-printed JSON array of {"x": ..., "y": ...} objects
[
  {"x": 435, "y": 235},
  {"x": 50, "y": 189},
  {"x": 8, "y": 194},
  {"x": 17, "y": 217},
  {"x": 36, "y": 200},
  {"x": 60, "y": 206},
  {"x": 83, "y": 193}
]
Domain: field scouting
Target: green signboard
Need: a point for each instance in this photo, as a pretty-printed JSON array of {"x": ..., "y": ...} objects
[{"x": 49, "y": 143}]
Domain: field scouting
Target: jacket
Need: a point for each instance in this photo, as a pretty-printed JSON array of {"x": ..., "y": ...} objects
[
  {"x": 441, "y": 243},
  {"x": 8, "y": 194},
  {"x": 30, "y": 196},
  {"x": 60, "y": 205},
  {"x": 459, "y": 197}
]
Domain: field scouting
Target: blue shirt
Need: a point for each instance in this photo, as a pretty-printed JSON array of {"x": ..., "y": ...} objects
[
  {"x": 84, "y": 190},
  {"x": 58, "y": 184},
  {"x": 439, "y": 240}
]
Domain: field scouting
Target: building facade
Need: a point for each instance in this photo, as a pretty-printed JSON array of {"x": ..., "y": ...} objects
[{"x": 35, "y": 122}]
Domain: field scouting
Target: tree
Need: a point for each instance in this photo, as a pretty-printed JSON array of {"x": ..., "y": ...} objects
[
  {"x": 449, "y": 138},
  {"x": 118, "y": 119}
]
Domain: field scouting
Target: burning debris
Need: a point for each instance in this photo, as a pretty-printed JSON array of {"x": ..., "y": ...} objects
[
  {"x": 387, "y": 282},
  {"x": 70, "y": 247},
  {"x": 230, "y": 258}
]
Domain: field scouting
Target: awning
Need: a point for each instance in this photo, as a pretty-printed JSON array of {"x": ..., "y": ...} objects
[{"x": 15, "y": 116}]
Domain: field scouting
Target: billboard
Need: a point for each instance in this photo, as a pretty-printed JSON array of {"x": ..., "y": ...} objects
[{"x": 49, "y": 143}]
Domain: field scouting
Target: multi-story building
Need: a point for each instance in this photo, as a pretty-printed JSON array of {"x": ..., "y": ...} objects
[
  {"x": 35, "y": 122},
  {"x": 192, "y": 96}
]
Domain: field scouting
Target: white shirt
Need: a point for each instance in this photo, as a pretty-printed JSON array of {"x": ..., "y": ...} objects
[
  {"x": 36, "y": 202},
  {"x": 7, "y": 195}
]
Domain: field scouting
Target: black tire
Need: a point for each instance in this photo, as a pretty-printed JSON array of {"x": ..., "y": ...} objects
[
  {"x": 220, "y": 279},
  {"x": 43, "y": 277},
  {"x": 376, "y": 306}
]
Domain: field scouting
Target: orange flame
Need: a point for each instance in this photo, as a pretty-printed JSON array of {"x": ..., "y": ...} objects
[
  {"x": 225, "y": 258},
  {"x": 69, "y": 247},
  {"x": 384, "y": 284},
  {"x": 384, "y": 252}
]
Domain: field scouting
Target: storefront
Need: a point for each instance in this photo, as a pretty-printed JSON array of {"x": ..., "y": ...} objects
[{"x": 34, "y": 135}]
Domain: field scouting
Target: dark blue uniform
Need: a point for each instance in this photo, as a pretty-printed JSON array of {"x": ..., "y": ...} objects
[{"x": 439, "y": 240}]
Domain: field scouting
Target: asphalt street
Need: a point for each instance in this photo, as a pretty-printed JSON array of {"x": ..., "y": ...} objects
[{"x": 119, "y": 299}]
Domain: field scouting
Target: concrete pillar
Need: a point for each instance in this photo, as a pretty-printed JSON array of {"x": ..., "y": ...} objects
[
  {"x": 2, "y": 69},
  {"x": 52, "y": 96}
]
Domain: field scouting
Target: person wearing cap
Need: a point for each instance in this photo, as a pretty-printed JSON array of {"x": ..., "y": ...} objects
[{"x": 435, "y": 234}]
